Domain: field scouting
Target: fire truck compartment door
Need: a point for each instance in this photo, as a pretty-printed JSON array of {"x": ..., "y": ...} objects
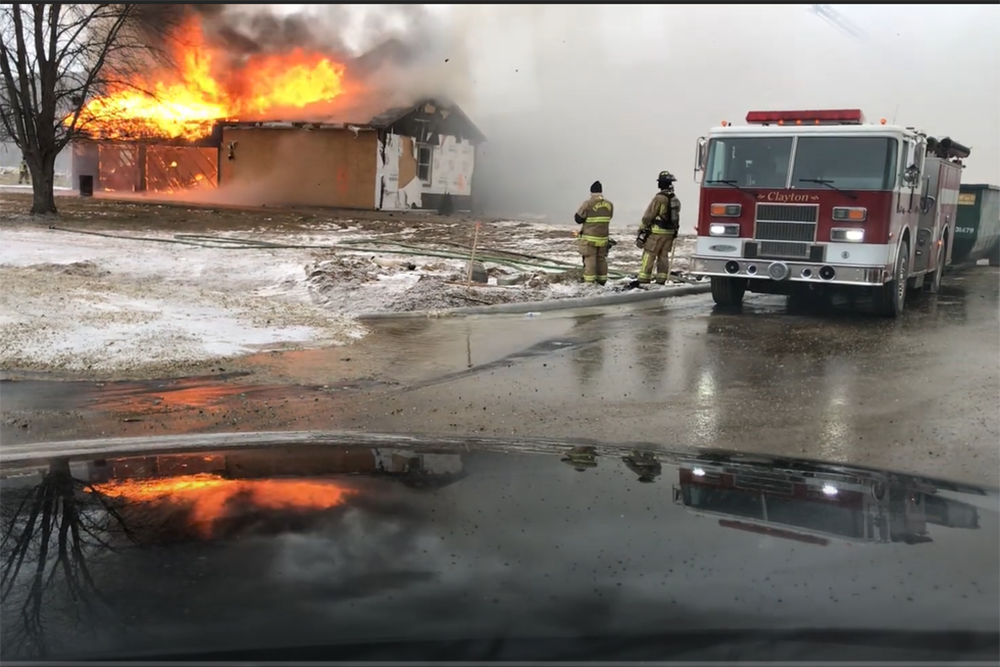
[{"x": 927, "y": 223}]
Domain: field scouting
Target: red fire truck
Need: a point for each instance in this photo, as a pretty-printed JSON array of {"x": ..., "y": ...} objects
[
  {"x": 804, "y": 203},
  {"x": 818, "y": 505}
]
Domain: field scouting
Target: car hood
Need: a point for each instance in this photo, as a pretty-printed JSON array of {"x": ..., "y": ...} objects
[{"x": 142, "y": 550}]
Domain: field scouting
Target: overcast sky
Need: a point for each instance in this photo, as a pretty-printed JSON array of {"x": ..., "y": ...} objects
[{"x": 672, "y": 72}]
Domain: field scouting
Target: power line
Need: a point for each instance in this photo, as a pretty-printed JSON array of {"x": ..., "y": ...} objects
[{"x": 838, "y": 21}]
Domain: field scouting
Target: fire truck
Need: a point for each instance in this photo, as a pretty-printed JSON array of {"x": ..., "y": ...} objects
[
  {"x": 806, "y": 203},
  {"x": 818, "y": 505}
]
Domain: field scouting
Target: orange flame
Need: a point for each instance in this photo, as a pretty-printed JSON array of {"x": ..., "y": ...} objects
[
  {"x": 210, "y": 498},
  {"x": 207, "y": 88}
]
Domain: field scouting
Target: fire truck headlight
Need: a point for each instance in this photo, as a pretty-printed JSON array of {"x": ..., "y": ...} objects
[
  {"x": 829, "y": 490},
  {"x": 719, "y": 229},
  {"x": 698, "y": 472},
  {"x": 848, "y": 235}
]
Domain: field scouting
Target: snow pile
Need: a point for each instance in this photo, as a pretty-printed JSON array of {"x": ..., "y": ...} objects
[{"x": 89, "y": 304}]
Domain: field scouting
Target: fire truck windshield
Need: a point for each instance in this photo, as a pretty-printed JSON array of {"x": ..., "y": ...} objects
[
  {"x": 749, "y": 162},
  {"x": 830, "y": 162},
  {"x": 847, "y": 163},
  {"x": 820, "y": 515}
]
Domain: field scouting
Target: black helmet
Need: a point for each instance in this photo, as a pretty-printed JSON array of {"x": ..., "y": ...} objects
[{"x": 665, "y": 180}]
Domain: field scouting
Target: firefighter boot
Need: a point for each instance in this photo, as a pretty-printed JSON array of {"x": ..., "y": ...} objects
[{"x": 602, "y": 265}]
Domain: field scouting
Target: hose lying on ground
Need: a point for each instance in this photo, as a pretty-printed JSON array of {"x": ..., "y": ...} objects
[{"x": 229, "y": 243}]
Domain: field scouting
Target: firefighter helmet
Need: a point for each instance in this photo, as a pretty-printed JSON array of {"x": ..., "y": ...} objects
[{"x": 665, "y": 180}]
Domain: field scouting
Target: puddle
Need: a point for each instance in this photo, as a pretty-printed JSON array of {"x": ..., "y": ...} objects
[{"x": 414, "y": 350}]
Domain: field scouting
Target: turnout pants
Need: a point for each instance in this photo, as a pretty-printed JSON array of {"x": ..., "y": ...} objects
[
  {"x": 656, "y": 255},
  {"x": 595, "y": 261}
]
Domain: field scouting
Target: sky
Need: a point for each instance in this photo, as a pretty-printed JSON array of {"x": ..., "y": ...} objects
[{"x": 619, "y": 92}]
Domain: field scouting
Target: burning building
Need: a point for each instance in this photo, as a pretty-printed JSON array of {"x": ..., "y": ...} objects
[{"x": 294, "y": 128}]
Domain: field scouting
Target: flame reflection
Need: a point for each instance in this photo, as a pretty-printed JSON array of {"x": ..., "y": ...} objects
[{"x": 210, "y": 499}]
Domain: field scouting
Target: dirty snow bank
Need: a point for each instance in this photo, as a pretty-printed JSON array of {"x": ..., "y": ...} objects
[
  {"x": 356, "y": 285},
  {"x": 524, "y": 261},
  {"x": 89, "y": 304}
]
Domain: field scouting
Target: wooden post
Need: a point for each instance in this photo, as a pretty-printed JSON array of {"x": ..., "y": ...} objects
[{"x": 472, "y": 258}]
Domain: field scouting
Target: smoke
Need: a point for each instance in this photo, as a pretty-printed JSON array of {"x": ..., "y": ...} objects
[
  {"x": 570, "y": 94},
  {"x": 244, "y": 30}
]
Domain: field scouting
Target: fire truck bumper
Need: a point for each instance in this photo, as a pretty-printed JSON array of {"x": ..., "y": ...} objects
[{"x": 789, "y": 271}]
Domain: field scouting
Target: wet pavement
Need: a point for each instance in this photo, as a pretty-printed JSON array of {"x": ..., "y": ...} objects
[
  {"x": 304, "y": 552},
  {"x": 920, "y": 394}
]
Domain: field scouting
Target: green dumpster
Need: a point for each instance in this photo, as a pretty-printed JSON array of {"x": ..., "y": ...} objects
[{"x": 977, "y": 229}]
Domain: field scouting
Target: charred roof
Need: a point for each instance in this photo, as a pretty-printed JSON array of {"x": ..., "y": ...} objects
[
  {"x": 427, "y": 118},
  {"x": 423, "y": 121}
]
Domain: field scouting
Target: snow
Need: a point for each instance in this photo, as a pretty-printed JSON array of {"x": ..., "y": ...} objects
[
  {"x": 91, "y": 304},
  {"x": 85, "y": 303}
]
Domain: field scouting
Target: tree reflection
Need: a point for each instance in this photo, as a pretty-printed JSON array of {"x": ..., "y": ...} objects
[
  {"x": 58, "y": 532},
  {"x": 52, "y": 533}
]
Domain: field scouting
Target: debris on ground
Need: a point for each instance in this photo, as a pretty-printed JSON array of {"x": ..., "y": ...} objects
[{"x": 133, "y": 285}]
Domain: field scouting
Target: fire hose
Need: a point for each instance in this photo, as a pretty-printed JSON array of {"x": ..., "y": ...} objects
[{"x": 515, "y": 260}]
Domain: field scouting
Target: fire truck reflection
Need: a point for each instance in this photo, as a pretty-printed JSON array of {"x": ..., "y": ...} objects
[{"x": 816, "y": 506}]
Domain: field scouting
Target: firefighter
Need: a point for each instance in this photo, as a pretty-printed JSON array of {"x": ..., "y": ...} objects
[
  {"x": 595, "y": 217},
  {"x": 643, "y": 464},
  {"x": 23, "y": 176},
  {"x": 581, "y": 458},
  {"x": 657, "y": 231}
]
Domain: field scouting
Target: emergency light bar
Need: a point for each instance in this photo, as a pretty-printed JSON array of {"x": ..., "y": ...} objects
[{"x": 819, "y": 117}]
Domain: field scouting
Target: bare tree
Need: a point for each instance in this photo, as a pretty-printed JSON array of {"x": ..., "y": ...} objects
[
  {"x": 54, "y": 58},
  {"x": 50, "y": 535}
]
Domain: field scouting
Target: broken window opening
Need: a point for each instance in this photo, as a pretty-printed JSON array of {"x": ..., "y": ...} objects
[{"x": 425, "y": 156}]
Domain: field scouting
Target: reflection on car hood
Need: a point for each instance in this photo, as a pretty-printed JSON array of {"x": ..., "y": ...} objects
[{"x": 298, "y": 544}]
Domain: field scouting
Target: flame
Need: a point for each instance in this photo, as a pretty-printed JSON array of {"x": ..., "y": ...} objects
[
  {"x": 210, "y": 498},
  {"x": 207, "y": 88}
]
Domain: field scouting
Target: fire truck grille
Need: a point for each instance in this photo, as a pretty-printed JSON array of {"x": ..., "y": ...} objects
[
  {"x": 788, "y": 212},
  {"x": 785, "y": 230}
]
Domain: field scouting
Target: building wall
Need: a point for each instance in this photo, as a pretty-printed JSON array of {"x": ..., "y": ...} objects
[
  {"x": 131, "y": 167},
  {"x": 452, "y": 166},
  {"x": 319, "y": 167}
]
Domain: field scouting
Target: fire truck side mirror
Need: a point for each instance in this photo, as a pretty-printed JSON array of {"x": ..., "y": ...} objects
[
  {"x": 911, "y": 175},
  {"x": 701, "y": 153}
]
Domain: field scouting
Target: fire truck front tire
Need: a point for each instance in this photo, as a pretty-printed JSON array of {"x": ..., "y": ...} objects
[
  {"x": 728, "y": 292},
  {"x": 890, "y": 299}
]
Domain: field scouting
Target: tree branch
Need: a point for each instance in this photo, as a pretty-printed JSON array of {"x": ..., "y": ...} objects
[{"x": 54, "y": 58}]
